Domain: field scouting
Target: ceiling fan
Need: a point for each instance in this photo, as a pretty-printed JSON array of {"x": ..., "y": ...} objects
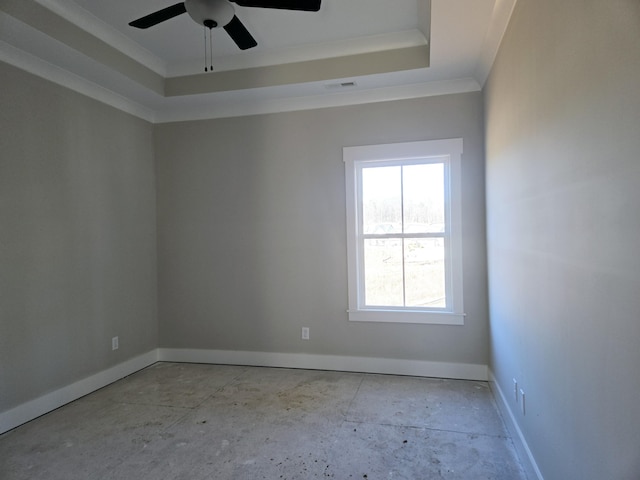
[{"x": 220, "y": 13}]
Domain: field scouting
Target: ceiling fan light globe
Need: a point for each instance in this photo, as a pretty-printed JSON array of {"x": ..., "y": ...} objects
[{"x": 220, "y": 11}]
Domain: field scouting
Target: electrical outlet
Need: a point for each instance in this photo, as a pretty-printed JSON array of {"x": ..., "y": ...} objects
[
  {"x": 522, "y": 402},
  {"x": 515, "y": 390},
  {"x": 114, "y": 343},
  {"x": 305, "y": 333}
]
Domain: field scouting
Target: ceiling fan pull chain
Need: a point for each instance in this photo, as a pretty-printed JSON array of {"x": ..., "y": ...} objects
[
  {"x": 211, "y": 49},
  {"x": 205, "y": 48}
]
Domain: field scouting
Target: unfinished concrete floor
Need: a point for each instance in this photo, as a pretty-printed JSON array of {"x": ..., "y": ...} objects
[{"x": 192, "y": 422}]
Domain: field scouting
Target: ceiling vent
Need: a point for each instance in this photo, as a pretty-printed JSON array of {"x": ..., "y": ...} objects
[{"x": 336, "y": 86}]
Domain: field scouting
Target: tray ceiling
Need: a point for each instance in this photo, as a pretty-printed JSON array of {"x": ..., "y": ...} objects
[{"x": 351, "y": 51}]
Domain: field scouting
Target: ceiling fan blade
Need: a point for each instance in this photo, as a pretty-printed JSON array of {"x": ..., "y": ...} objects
[
  {"x": 306, "y": 5},
  {"x": 159, "y": 16},
  {"x": 239, "y": 34}
]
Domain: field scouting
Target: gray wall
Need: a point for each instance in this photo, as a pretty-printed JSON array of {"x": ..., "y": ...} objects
[
  {"x": 563, "y": 223},
  {"x": 251, "y": 231},
  {"x": 77, "y": 237}
]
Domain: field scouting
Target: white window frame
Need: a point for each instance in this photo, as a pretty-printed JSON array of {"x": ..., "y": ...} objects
[{"x": 448, "y": 152}]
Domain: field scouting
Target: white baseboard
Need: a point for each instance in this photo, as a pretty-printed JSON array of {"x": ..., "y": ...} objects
[
  {"x": 39, "y": 406},
  {"x": 418, "y": 368},
  {"x": 46, "y": 403},
  {"x": 529, "y": 462}
]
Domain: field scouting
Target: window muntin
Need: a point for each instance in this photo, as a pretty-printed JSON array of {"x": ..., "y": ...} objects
[
  {"x": 403, "y": 225},
  {"x": 402, "y": 220}
]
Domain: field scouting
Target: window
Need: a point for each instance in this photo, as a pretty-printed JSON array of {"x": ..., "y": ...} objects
[{"x": 403, "y": 225}]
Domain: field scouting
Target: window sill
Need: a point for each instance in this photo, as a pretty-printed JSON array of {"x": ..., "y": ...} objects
[{"x": 397, "y": 316}]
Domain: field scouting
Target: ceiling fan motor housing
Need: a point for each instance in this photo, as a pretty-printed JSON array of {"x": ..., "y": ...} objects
[{"x": 221, "y": 12}]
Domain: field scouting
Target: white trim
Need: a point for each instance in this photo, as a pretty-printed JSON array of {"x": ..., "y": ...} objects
[
  {"x": 46, "y": 403},
  {"x": 209, "y": 108},
  {"x": 391, "y": 366},
  {"x": 405, "y": 150},
  {"x": 88, "y": 22},
  {"x": 445, "y": 151},
  {"x": 36, "y": 66},
  {"x": 50, "y": 401},
  {"x": 407, "y": 316},
  {"x": 528, "y": 460},
  {"x": 502, "y": 11}
]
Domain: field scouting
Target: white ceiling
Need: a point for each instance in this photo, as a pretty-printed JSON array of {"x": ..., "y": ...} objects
[
  {"x": 179, "y": 42},
  {"x": 389, "y": 48}
]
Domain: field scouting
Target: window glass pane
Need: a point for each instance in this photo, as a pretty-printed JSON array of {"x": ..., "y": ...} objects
[
  {"x": 381, "y": 200},
  {"x": 424, "y": 272},
  {"x": 383, "y": 272},
  {"x": 423, "y": 188}
]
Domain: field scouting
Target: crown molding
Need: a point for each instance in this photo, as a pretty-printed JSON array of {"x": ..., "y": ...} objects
[
  {"x": 32, "y": 14},
  {"x": 88, "y": 22},
  {"x": 502, "y": 11},
  {"x": 210, "y": 110},
  {"x": 178, "y": 98},
  {"x": 36, "y": 66}
]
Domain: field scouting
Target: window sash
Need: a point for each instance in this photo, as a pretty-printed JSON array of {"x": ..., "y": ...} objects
[
  {"x": 446, "y": 152},
  {"x": 362, "y": 280},
  {"x": 373, "y": 236}
]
